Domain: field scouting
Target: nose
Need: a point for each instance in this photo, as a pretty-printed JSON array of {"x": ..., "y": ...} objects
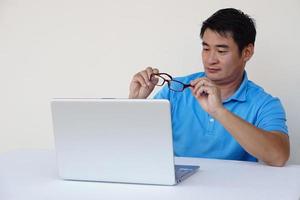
[{"x": 212, "y": 58}]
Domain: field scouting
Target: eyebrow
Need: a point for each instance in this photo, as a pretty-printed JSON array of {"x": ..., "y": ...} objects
[{"x": 218, "y": 45}]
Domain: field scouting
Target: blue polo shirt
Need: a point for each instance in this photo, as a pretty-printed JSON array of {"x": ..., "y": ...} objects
[{"x": 197, "y": 134}]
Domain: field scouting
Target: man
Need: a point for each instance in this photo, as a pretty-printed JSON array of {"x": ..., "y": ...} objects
[{"x": 222, "y": 114}]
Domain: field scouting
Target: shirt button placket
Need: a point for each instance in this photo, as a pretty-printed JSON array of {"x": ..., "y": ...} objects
[{"x": 210, "y": 125}]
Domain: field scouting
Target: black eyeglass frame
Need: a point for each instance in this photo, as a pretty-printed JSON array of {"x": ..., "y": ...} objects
[{"x": 169, "y": 81}]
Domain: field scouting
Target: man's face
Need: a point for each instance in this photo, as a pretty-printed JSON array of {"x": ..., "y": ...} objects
[{"x": 221, "y": 58}]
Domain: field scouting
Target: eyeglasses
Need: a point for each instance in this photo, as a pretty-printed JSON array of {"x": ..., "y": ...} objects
[{"x": 161, "y": 78}]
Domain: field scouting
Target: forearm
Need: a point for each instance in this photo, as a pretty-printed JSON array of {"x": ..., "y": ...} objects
[{"x": 270, "y": 147}]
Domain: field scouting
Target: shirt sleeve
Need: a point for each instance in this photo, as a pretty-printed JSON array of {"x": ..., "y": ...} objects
[
  {"x": 164, "y": 93},
  {"x": 271, "y": 116}
]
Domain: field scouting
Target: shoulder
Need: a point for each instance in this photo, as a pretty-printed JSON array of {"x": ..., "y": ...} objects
[
  {"x": 264, "y": 101},
  {"x": 257, "y": 93},
  {"x": 270, "y": 113}
]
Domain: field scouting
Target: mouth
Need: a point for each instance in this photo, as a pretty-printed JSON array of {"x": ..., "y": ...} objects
[{"x": 212, "y": 70}]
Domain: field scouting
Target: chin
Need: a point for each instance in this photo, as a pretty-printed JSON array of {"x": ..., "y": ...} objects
[{"x": 213, "y": 77}]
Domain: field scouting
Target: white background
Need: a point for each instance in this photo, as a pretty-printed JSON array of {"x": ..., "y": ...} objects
[{"x": 72, "y": 48}]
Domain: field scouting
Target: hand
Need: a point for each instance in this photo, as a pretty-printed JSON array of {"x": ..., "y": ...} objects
[
  {"x": 207, "y": 94},
  {"x": 141, "y": 86}
]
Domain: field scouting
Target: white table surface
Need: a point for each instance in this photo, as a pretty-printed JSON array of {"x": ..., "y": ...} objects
[{"x": 32, "y": 174}]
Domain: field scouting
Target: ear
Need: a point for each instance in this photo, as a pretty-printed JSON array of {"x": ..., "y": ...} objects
[{"x": 248, "y": 51}]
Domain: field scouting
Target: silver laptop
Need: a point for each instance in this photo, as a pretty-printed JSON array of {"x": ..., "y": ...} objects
[{"x": 116, "y": 140}]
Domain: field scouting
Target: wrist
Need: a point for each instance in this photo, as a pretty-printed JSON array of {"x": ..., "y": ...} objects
[{"x": 219, "y": 113}]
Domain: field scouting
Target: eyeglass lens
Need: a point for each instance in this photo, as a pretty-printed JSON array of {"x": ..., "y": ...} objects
[{"x": 174, "y": 85}]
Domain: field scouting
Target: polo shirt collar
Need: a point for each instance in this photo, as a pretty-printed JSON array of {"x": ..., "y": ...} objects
[{"x": 241, "y": 93}]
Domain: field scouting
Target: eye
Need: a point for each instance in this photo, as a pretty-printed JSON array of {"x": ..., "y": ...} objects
[
  {"x": 222, "y": 51},
  {"x": 205, "y": 49}
]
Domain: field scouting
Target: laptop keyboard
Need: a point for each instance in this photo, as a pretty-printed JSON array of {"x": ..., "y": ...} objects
[{"x": 181, "y": 171}]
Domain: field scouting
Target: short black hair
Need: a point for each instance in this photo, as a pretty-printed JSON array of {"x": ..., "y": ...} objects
[{"x": 240, "y": 26}]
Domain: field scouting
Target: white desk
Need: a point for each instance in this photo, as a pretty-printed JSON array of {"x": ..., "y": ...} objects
[{"x": 32, "y": 174}]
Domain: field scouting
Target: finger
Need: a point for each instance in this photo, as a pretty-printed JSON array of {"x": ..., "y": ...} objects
[
  {"x": 138, "y": 78},
  {"x": 154, "y": 80},
  {"x": 144, "y": 74},
  {"x": 199, "y": 84},
  {"x": 202, "y": 86},
  {"x": 204, "y": 90},
  {"x": 149, "y": 71},
  {"x": 155, "y": 71},
  {"x": 197, "y": 81}
]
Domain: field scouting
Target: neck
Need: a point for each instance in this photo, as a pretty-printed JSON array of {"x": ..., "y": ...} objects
[{"x": 228, "y": 88}]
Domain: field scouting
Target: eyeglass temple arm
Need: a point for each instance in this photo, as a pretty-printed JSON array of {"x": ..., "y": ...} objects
[{"x": 187, "y": 85}]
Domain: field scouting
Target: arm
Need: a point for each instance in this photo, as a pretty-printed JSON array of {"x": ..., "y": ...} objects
[{"x": 270, "y": 147}]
